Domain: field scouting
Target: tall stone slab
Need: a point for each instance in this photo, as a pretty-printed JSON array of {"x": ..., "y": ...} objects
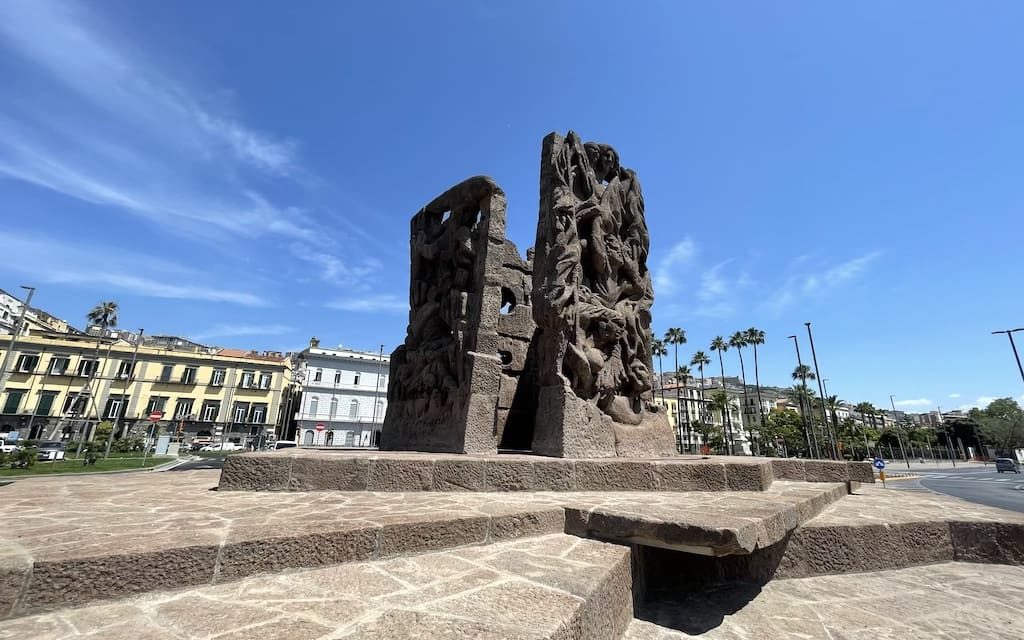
[
  {"x": 592, "y": 297},
  {"x": 454, "y": 381}
]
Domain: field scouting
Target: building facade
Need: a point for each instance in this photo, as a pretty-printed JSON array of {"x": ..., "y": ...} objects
[
  {"x": 61, "y": 385},
  {"x": 685, "y": 408},
  {"x": 344, "y": 397}
]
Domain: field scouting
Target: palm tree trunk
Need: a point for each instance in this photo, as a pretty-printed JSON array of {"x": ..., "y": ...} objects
[
  {"x": 661, "y": 379},
  {"x": 679, "y": 416},
  {"x": 760, "y": 407},
  {"x": 703, "y": 406}
]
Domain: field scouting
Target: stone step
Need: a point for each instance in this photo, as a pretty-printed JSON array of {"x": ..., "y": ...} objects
[
  {"x": 315, "y": 470},
  {"x": 876, "y": 528},
  {"x": 553, "y": 586}
]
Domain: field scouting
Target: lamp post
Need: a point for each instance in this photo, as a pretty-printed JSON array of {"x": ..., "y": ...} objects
[
  {"x": 898, "y": 438},
  {"x": 4, "y": 373},
  {"x": 1009, "y": 334},
  {"x": 812, "y": 450},
  {"x": 824, "y": 416}
]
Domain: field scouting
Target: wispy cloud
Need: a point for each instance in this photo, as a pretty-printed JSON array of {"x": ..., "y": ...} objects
[
  {"x": 668, "y": 272},
  {"x": 233, "y": 330},
  {"x": 954, "y": 395},
  {"x": 915, "y": 402},
  {"x": 52, "y": 261},
  {"x": 719, "y": 292},
  {"x": 805, "y": 284},
  {"x": 374, "y": 303}
]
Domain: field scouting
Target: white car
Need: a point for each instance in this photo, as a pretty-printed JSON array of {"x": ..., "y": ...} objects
[{"x": 225, "y": 446}]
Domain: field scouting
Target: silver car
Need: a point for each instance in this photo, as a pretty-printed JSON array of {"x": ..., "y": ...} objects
[{"x": 1007, "y": 464}]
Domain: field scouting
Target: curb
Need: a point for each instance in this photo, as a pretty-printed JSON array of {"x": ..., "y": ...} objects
[{"x": 40, "y": 476}]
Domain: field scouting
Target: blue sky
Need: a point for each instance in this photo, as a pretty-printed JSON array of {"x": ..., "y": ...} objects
[{"x": 243, "y": 173}]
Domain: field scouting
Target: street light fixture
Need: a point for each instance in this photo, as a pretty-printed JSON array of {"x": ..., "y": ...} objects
[
  {"x": 817, "y": 373},
  {"x": 1009, "y": 334}
]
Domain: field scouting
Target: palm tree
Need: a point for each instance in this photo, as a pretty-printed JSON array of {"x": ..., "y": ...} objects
[
  {"x": 658, "y": 349},
  {"x": 104, "y": 316},
  {"x": 866, "y": 410},
  {"x": 720, "y": 401},
  {"x": 802, "y": 372},
  {"x": 698, "y": 360},
  {"x": 676, "y": 336},
  {"x": 739, "y": 340},
  {"x": 721, "y": 346},
  {"x": 683, "y": 376},
  {"x": 755, "y": 337}
]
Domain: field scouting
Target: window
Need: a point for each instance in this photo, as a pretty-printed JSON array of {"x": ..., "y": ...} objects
[
  {"x": 166, "y": 372},
  {"x": 307, "y": 438},
  {"x": 247, "y": 379},
  {"x": 59, "y": 365},
  {"x": 241, "y": 410},
  {"x": 13, "y": 401},
  {"x": 113, "y": 408},
  {"x": 380, "y": 410},
  {"x": 210, "y": 410},
  {"x": 265, "y": 379},
  {"x": 313, "y": 405},
  {"x": 87, "y": 367},
  {"x": 125, "y": 369},
  {"x": 259, "y": 413},
  {"x": 27, "y": 362},
  {"x": 217, "y": 377},
  {"x": 353, "y": 409},
  {"x": 318, "y": 375},
  {"x": 337, "y": 377},
  {"x": 334, "y": 407},
  {"x": 355, "y": 380},
  {"x": 156, "y": 403},
  {"x": 75, "y": 404},
  {"x": 45, "y": 405},
  {"x": 188, "y": 376},
  {"x": 183, "y": 408}
]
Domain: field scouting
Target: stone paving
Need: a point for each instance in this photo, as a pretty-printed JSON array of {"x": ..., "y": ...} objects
[
  {"x": 946, "y": 601},
  {"x": 555, "y": 586},
  {"x": 105, "y": 537}
]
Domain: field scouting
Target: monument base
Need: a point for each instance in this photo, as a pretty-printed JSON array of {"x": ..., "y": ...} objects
[{"x": 570, "y": 427}]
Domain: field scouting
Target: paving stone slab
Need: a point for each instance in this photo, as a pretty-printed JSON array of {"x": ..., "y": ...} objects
[
  {"x": 876, "y": 528},
  {"x": 553, "y": 586},
  {"x": 315, "y": 470},
  {"x": 938, "y": 601}
]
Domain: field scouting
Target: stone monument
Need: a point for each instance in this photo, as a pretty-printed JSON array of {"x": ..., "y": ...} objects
[
  {"x": 592, "y": 297},
  {"x": 550, "y": 354}
]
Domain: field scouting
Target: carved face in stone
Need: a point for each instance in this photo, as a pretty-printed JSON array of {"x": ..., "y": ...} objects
[{"x": 604, "y": 160}]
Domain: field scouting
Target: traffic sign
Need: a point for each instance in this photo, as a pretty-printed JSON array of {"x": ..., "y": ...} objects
[
  {"x": 320, "y": 426},
  {"x": 156, "y": 416},
  {"x": 879, "y": 464}
]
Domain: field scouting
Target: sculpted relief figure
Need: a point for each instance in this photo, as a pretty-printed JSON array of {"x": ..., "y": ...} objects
[{"x": 592, "y": 291}]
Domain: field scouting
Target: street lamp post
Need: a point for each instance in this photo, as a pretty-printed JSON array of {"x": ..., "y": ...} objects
[
  {"x": 4, "y": 373},
  {"x": 821, "y": 390},
  {"x": 812, "y": 450},
  {"x": 1009, "y": 334}
]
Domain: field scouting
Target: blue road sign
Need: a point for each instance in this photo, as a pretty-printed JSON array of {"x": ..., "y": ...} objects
[{"x": 879, "y": 464}]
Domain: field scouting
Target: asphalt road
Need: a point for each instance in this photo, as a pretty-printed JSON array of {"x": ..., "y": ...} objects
[
  {"x": 202, "y": 463},
  {"x": 981, "y": 485}
]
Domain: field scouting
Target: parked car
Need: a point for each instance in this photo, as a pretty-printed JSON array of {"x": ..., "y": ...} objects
[
  {"x": 223, "y": 446},
  {"x": 1007, "y": 464},
  {"x": 283, "y": 444},
  {"x": 8, "y": 448},
  {"x": 50, "y": 450}
]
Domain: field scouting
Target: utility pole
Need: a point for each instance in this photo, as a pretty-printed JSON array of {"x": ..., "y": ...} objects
[
  {"x": 821, "y": 390},
  {"x": 4, "y": 373},
  {"x": 812, "y": 450},
  {"x": 1009, "y": 334}
]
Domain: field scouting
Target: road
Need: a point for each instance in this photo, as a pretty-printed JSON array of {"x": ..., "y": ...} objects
[
  {"x": 981, "y": 485},
  {"x": 201, "y": 463}
]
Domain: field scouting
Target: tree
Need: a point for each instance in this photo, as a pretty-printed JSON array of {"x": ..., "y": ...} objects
[
  {"x": 787, "y": 425},
  {"x": 755, "y": 337},
  {"x": 802, "y": 373},
  {"x": 658, "y": 349},
  {"x": 738, "y": 340},
  {"x": 698, "y": 360},
  {"x": 720, "y": 402},
  {"x": 675, "y": 337},
  {"x": 1002, "y": 424},
  {"x": 721, "y": 346},
  {"x": 683, "y": 377},
  {"x": 103, "y": 315}
]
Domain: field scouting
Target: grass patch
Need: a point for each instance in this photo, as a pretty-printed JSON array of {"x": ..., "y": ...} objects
[{"x": 112, "y": 463}]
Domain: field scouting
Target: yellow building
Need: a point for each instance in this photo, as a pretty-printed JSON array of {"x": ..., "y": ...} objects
[
  {"x": 672, "y": 396},
  {"x": 196, "y": 390}
]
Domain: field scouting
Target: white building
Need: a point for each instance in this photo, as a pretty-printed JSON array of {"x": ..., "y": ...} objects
[{"x": 344, "y": 397}]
